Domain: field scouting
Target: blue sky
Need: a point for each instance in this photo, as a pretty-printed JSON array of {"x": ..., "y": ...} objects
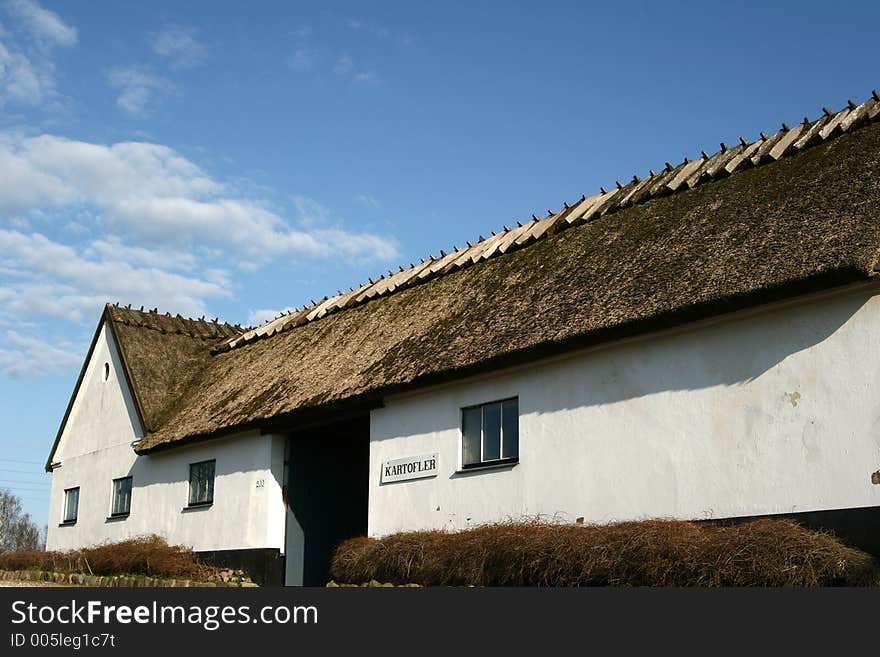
[{"x": 234, "y": 160}]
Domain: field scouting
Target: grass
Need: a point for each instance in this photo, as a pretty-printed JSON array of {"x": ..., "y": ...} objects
[{"x": 764, "y": 552}]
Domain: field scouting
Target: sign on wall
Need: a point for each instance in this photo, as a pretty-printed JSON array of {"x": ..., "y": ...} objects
[{"x": 410, "y": 467}]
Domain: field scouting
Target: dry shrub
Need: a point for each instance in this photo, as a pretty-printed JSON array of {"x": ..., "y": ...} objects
[
  {"x": 765, "y": 552},
  {"x": 144, "y": 555}
]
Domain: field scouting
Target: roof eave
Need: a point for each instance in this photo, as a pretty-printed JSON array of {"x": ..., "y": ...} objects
[{"x": 327, "y": 412}]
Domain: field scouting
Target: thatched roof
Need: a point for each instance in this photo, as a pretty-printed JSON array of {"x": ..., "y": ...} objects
[
  {"x": 162, "y": 355},
  {"x": 791, "y": 213}
]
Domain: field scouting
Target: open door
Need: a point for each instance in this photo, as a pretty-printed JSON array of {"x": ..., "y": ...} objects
[{"x": 328, "y": 470}]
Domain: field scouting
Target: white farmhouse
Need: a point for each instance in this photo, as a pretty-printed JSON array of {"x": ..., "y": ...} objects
[{"x": 701, "y": 343}]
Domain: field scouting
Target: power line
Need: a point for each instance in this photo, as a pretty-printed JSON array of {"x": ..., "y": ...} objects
[
  {"x": 19, "y": 471},
  {"x": 20, "y": 461},
  {"x": 31, "y": 475},
  {"x": 25, "y": 487},
  {"x": 25, "y": 481}
]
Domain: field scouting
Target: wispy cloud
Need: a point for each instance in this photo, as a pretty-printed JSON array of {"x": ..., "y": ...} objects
[
  {"x": 375, "y": 29},
  {"x": 302, "y": 32},
  {"x": 365, "y": 78},
  {"x": 367, "y": 200},
  {"x": 46, "y": 27},
  {"x": 379, "y": 31},
  {"x": 303, "y": 59},
  {"x": 180, "y": 45},
  {"x": 345, "y": 67},
  {"x": 137, "y": 90},
  {"x": 309, "y": 57},
  {"x": 24, "y": 81},
  {"x": 27, "y": 355},
  {"x": 27, "y": 72}
]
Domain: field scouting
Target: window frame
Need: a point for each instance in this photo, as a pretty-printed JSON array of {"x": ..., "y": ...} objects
[
  {"x": 113, "y": 496},
  {"x": 64, "y": 519},
  {"x": 209, "y": 486},
  {"x": 488, "y": 463}
]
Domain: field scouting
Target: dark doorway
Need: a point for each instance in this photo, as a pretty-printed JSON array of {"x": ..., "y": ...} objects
[{"x": 327, "y": 489}]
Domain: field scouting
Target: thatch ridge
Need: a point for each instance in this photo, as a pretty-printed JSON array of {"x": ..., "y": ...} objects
[
  {"x": 162, "y": 354},
  {"x": 689, "y": 174},
  {"x": 166, "y": 323}
]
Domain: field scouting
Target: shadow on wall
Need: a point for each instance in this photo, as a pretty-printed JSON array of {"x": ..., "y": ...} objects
[
  {"x": 166, "y": 476},
  {"x": 172, "y": 466},
  {"x": 730, "y": 352},
  {"x": 726, "y": 353}
]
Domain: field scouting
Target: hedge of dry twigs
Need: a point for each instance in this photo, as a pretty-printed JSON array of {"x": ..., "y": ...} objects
[
  {"x": 644, "y": 553},
  {"x": 144, "y": 555}
]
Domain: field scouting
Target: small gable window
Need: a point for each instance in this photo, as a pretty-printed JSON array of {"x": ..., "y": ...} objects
[
  {"x": 71, "y": 505},
  {"x": 490, "y": 434},
  {"x": 201, "y": 483},
  {"x": 121, "y": 497},
  {"x": 105, "y": 373}
]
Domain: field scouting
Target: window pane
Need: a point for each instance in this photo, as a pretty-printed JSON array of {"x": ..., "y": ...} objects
[
  {"x": 470, "y": 430},
  {"x": 71, "y": 504},
  {"x": 492, "y": 431},
  {"x": 122, "y": 495},
  {"x": 201, "y": 482},
  {"x": 510, "y": 428},
  {"x": 209, "y": 481},
  {"x": 194, "y": 483}
]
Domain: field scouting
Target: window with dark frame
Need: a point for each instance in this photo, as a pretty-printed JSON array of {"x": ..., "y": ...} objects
[
  {"x": 490, "y": 434},
  {"x": 121, "y": 497},
  {"x": 201, "y": 483},
  {"x": 71, "y": 504}
]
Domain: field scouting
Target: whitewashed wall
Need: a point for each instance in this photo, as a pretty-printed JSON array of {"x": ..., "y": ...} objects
[
  {"x": 771, "y": 411},
  {"x": 96, "y": 447}
]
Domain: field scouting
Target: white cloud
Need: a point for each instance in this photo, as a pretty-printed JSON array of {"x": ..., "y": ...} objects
[
  {"x": 180, "y": 45},
  {"x": 66, "y": 283},
  {"x": 137, "y": 90},
  {"x": 151, "y": 192},
  {"x": 258, "y": 317},
  {"x": 113, "y": 248},
  {"x": 46, "y": 27},
  {"x": 30, "y": 356},
  {"x": 82, "y": 224}
]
